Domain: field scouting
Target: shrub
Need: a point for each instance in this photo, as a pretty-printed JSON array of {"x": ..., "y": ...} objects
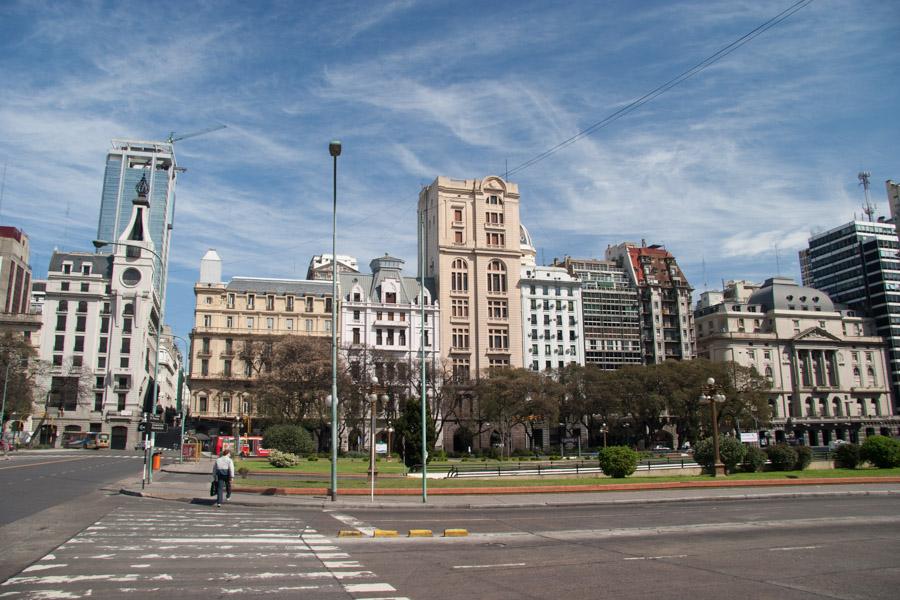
[
  {"x": 312, "y": 458},
  {"x": 281, "y": 459},
  {"x": 618, "y": 461},
  {"x": 783, "y": 457},
  {"x": 288, "y": 438},
  {"x": 439, "y": 455},
  {"x": 731, "y": 451},
  {"x": 554, "y": 457},
  {"x": 243, "y": 471},
  {"x": 846, "y": 456},
  {"x": 754, "y": 460},
  {"x": 881, "y": 451},
  {"x": 804, "y": 457}
]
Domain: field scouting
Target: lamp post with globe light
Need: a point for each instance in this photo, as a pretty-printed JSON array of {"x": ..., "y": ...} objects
[
  {"x": 334, "y": 148},
  {"x": 713, "y": 396}
]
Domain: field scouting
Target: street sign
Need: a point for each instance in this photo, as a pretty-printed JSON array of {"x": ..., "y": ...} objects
[
  {"x": 750, "y": 438},
  {"x": 155, "y": 426}
]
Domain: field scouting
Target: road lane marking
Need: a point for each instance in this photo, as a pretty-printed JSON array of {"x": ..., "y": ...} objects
[
  {"x": 46, "y": 462},
  {"x": 356, "y": 588},
  {"x": 656, "y": 557},
  {"x": 355, "y": 523},
  {"x": 788, "y": 548},
  {"x": 500, "y": 566}
]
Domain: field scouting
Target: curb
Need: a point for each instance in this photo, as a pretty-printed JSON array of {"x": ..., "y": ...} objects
[{"x": 324, "y": 502}]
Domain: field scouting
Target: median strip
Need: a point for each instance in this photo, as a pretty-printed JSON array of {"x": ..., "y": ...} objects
[{"x": 456, "y": 532}]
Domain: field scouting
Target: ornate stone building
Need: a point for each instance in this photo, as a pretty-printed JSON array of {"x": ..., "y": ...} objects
[{"x": 826, "y": 363}]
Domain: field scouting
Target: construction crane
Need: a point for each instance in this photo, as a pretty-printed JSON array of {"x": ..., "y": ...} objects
[{"x": 173, "y": 138}]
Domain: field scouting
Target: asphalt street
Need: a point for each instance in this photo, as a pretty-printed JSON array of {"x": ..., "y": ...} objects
[{"x": 32, "y": 482}]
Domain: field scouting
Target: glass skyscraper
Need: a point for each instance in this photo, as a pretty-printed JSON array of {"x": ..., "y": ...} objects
[
  {"x": 127, "y": 162},
  {"x": 857, "y": 265}
]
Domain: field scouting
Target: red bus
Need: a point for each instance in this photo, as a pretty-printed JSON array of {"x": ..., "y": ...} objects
[{"x": 251, "y": 445}]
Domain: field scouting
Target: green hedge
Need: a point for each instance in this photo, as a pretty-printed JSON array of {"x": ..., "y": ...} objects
[{"x": 618, "y": 461}]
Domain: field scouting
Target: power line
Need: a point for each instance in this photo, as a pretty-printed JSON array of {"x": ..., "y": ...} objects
[{"x": 662, "y": 89}]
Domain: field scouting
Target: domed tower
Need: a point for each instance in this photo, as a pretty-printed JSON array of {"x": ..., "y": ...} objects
[{"x": 527, "y": 246}]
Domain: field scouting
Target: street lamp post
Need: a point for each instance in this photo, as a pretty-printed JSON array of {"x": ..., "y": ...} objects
[
  {"x": 712, "y": 395},
  {"x": 334, "y": 148},
  {"x": 424, "y": 399},
  {"x": 149, "y": 437},
  {"x": 373, "y": 404},
  {"x": 604, "y": 429},
  {"x": 19, "y": 361}
]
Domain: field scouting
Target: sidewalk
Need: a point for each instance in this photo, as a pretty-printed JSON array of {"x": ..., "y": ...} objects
[{"x": 189, "y": 482}]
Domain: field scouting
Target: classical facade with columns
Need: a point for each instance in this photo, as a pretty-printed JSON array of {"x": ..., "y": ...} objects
[{"x": 826, "y": 364}]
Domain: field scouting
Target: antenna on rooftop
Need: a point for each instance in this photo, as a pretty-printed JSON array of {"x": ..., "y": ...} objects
[
  {"x": 2, "y": 187},
  {"x": 864, "y": 181}
]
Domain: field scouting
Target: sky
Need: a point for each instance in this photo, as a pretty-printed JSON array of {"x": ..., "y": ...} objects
[{"x": 731, "y": 171}]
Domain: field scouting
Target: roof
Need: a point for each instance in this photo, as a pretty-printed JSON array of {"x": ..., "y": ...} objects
[
  {"x": 100, "y": 263},
  {"x": 296, "y": 287},
  {"x": 783, "y": 293}
]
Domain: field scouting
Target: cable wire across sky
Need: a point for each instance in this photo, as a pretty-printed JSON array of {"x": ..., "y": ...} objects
[{"x": 665, "y": 87}]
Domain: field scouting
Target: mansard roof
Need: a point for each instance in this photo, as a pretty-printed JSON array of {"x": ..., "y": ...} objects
[{"x": 296, "y": 287}]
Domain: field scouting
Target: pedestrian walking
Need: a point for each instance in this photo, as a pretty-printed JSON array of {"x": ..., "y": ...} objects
[{"x": 223, "y": 474}]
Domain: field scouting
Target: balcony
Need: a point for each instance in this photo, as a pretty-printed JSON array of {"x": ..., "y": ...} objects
[{"x": 388, "y": 323}]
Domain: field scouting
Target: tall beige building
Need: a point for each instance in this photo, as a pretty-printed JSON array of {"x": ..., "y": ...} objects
[{"x": 472, "y": 250}]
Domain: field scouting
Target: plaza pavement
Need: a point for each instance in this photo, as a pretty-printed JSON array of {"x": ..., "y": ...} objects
[{"x": 189, "y": 482}]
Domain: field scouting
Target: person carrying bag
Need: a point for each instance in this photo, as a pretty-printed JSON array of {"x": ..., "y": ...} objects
[{"x": 223, "y": 474}]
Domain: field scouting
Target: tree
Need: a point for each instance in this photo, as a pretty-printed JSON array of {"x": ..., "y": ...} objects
[
  {"x": 294, "y": 379},
  {"x": 18, "y": 360},
  {"x": 409, "y": 430},
  {"x": 508, "y": 397},
  {"x": 880, "y": 450},
  {"x": 731, "y": 451},
  {"x": 443, "y": 390},
  {"x": 288, "y": 438},
  {"x": 618, "y": 461}
]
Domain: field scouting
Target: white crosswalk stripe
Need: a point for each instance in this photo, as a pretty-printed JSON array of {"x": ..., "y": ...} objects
[{"x": 197, "y": 552}]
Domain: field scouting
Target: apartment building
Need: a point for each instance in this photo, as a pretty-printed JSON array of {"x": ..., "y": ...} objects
[
  {"x": 471, "y": 234},
  {"x": 610, "y": 313},
  {"x": 552, "y": 318},
  {"x": 229, "y": 314},
  {"x": 667, "y": 326},
  {"x": 826, "y": 363}
]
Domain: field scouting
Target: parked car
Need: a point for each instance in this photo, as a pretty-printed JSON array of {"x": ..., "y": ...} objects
[
  {"x": 661, "y": 449},
  {"x": 833, "y": 445}
]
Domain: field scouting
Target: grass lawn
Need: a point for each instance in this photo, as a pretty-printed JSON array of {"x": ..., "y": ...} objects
[
  {"x": 561, "y": 481},
  {"x": 355, "y": 466}
]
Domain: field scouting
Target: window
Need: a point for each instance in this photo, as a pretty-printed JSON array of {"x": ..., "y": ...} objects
[
  {"x": 461, "y": 369},
  {"x": 67, "y": 268},
  {"x": 459, "y": 276},
  {"x": 229, "y": 303},
  {"x": 229, "y": 322},
  {"x": 494, "y": 200},
  {"x": 460, "y": 338},
  {"x": 378, "y": 337},
  {"x": 62, "y": 306},
  {"x": 328, "y": 305},
  {"x": 498, "y": 339},
  {"x": 85, "y": 268},
  {"x": 309, "y": 325},
  {"x": 207, "y": 320},
  {"x": 77, "y": 360},
  {"x": 57, "y": 360},
  {"x": 101, "y": 361},
  {"x": 120, "y": 401},
  {"x": 126, "y": 346},
  {"x": 81, "y": 323},
  {"x": 227, "y": 368},
  {"x": 458, "y": 237},
  {"x": 457, "y": 215},
  {"x": 226, "y": 404},
  {"x": 251, "y": 301},
  {"x": 390, "y": 337},
  {"x": 204, "y": 367},
  {"x": 356, "y": 315},
  {"x": 207, "y": 300},
  {"x": 327, "y": 325},
  {"x": 123, "y": 362},
  {"x": 105, "y": 309},
  {"x": 60, "y": 322},
  {"x": 498, "y": 362},
  {"x": 356, "y": 336},
  {"x": 309, "y": 304},
  {"x": 390, "y": 297},
  {"x": 82, "y": 306},
  {"x": 126, "y": 324},
  {"x": 496, "y": 240},
  {"x": 493, "y": 218},
  {"x": 203, "y": 403},
  {"x": 98, "y": 402},
  {"x": 250, "y": 323},
  {"x": 102, "y": 344},
  {"x": 289, "y": 303},
  {"x": 402, "y": 336},
  {"x": 459, "y": 307},
  {"x": 289, "y": 324},
  {"x": 496, "y": 271},
  {"x": 270, "y": 302},
  {"x": 427, "y": 339},
  {"x": 64, "y": 286},
  {"x": 270, "y": 322}
]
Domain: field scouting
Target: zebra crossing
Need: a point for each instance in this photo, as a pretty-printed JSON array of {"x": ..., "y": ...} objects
[{"x": 197, "y": 552}]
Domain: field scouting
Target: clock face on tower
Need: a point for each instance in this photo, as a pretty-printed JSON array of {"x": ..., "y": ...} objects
[{"x": 131, "y": 277}]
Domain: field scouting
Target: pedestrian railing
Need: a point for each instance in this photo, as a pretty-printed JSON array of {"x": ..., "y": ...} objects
[{"x": 549, "y": 468}]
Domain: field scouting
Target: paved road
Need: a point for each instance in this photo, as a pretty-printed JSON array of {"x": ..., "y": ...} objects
[
  {"x": 153, "y": 549},
  {"x": 30, "y": 483}
]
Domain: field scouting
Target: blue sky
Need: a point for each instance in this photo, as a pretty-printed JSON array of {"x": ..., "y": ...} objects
[{"x": 752, "y": 154}]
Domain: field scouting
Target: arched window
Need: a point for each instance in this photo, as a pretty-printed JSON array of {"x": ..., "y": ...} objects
[
  {"x": 856, "y": 379},
  {"x": 459, "y": 276},
  {"x": 496, "y": 272},
  {"x": 836, "y": 407},
  {"x": 871, "y": 380},
  {"x": 769, "y": 373},
  {"x": 773, "y": 408},
  {"x": 128, "y": 309}
]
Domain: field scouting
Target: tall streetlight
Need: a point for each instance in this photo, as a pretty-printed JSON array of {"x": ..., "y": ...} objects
[
  {"x": 712, "y": 395},
  {"x": 178, "y": 393},
  {"x": 424, "y": 398},
  {"x": 9, "y": 364},
  {"x": 149, "y": 437},
  {"x": 334, "y": 148}
]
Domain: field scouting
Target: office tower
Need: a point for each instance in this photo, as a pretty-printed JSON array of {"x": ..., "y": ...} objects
[
  {"x": 16, "y": 315},
  {"x": 128, "y": 162},
  {"x": 856, "y": 264}
]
